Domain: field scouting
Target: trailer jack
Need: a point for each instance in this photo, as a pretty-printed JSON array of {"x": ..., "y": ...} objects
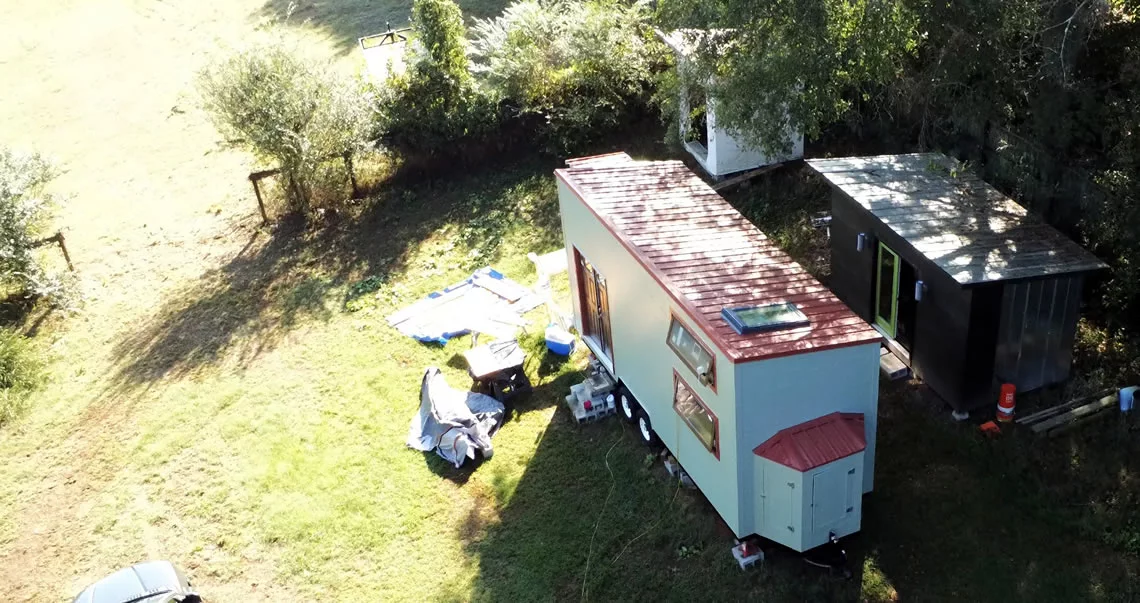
[{"x": 831, "y": 556}]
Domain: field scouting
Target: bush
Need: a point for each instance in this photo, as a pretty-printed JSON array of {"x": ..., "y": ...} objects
[
  {"x": 583, "y": 67},
  {"x": 286, "y": 109},
  {"x": 21, "y": 372},
  {"x": 26, "y": 211},
  {"x": 434, "y": 104}
]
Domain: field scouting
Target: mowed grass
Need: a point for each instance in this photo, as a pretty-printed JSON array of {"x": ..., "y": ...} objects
[{"x": 217, "y": 404}]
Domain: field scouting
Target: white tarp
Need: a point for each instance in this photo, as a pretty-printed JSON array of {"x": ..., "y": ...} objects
[{"x": 455, "y": 424}]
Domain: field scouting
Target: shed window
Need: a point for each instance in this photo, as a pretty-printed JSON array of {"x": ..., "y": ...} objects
[
  {"x": 692, "y": 353},
  {"x": 696, "y": 415}
]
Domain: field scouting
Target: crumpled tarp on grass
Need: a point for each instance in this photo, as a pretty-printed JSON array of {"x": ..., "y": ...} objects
[
  {"x": 454, "y": 424},
  {"x": 487, "y": 302}
]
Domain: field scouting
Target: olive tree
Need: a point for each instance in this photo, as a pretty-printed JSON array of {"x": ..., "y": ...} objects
[
  {"x": 287, "y": 109},
  {"x": 26, "y": 210}
]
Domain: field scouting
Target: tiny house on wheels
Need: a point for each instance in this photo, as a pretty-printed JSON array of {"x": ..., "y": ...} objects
[
  {"x": 760, "y": 382},
  {"x": 970, "y": 290}
]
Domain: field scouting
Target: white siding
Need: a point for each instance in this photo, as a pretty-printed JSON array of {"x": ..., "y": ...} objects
[
  {"x": 782, "y": 392},
  {"x": 800, "y": 510},
  {"x": 827, "y": 498},
  {"x": 726, "y": 154},
  {"x": 639, "y": 321},
  {"x": 778, "y": 513}
]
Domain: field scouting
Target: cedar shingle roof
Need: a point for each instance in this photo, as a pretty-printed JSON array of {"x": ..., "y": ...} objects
[
  {"x": 965, "y": 226},
  {"x": 708, "y": 256}
]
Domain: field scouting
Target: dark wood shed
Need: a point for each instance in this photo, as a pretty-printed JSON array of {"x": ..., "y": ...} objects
[{"x": 969, "y": 288}]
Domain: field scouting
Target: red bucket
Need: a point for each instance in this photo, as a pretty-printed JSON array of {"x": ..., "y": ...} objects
[{"x": 1006, "y": 402}]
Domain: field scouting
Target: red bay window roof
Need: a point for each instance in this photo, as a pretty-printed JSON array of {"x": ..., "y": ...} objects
[{"x": 817, "y": 442}]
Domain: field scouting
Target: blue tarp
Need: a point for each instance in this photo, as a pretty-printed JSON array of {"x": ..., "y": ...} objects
[{"x": 485, "y": 302}]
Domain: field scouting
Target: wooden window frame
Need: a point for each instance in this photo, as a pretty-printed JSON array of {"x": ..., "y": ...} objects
[
  {"x": 891, "y": 326},
  {"x": 590, "y": 338},
  {"x": 715, "y": 450},
  {"x": 712, "y": 363}
]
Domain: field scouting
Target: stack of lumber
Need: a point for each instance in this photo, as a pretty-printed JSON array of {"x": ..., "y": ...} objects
[{"x": 1063, "y": 417}]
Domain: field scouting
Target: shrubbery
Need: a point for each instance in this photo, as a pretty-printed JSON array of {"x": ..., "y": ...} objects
[
  {"x": 436, "y": 102},
  {"x": 286, "y": 109},
  {"x": 573, "y": 70},
  {"x": 26, "y": 209},
  {"x": 21, "y": 372},
  {"x": 584, "y": 67}
]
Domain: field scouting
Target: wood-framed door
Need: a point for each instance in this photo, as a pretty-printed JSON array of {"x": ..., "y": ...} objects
[
  {"x": 594, "y": 298},
  {"x": 887, "y": 266}
]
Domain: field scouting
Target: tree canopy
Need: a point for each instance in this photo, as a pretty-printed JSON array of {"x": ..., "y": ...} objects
[{"x": 797, "y": 63}]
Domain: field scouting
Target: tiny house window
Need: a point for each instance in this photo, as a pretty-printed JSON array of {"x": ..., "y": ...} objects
[
  {"x": 692, "y": 353},
  {"x": 696, "y": 415}
]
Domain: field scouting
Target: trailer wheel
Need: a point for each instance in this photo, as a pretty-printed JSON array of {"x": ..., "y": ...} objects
[
  {"x": 627, "y": 405},
  {"x": 645, "y": 430}
]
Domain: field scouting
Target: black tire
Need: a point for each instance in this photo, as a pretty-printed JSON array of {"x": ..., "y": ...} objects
[
  {"x": 645, "y": 430},
  {"x": 627, "y": 405}
]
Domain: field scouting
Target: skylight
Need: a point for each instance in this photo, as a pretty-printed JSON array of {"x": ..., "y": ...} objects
[{"x": 770, "y": 317}]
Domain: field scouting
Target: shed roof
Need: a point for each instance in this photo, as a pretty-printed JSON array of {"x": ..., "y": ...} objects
[
  {"x": 707, "y": 256},
  {"x": 953, "y": 218},
  {"x": 816, "y": 442}
]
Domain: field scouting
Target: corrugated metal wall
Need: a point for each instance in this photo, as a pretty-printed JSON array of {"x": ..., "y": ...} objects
[{"x": 1038, "y": 326}]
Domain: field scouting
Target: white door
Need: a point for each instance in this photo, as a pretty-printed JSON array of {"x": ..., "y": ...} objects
[{"x": 829, "y": 499}]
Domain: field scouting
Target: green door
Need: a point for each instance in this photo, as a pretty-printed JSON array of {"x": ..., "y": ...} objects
[{"x": 887, "y": 290}]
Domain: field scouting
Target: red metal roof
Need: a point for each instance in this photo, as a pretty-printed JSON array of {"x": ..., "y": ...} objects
[
  {"x": 816, "y": 442},
  {"x": 708, "y": 256}
]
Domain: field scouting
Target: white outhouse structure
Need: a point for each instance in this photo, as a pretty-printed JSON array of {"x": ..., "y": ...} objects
[
  {"x": 718, "y": 150},
  {"x": 760, "y": 382}
]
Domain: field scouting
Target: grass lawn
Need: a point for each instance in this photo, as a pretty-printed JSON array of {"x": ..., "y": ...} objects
[{"x": 218, "y": 403}]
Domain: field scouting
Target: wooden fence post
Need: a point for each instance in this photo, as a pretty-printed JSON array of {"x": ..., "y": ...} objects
[
  {"x": 351, "y": 174},
  {"x": 254, "y": 179},
  {"x": 56, "y": 238},
  {"x": 63, "y": 248}
]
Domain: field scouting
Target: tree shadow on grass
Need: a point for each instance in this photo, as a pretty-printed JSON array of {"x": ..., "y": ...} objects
[
  {"x": 955, "y": 515},
  {"x": 345, "y": 21},
  {"x": 287, "y": 276},
  {"x": 945, "y": 522}
]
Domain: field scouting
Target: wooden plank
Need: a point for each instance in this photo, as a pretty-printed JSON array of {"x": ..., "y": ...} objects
[
  {"x": 913, "y": 162},
  {"x": 969, "y": 280},
  {"x": 966, "y": 184},
  {"x": 1074, "y": 424},
  {"x": 972, "y": 193},
  {"x": 1054, "y": 410},
  {"x": 891, "y": 366},
  {"x": 746, "y": 176},
  {"x": 886, "y": 205},
  {"x": 1077, "y": 413},
  {"x": 1022, "y": 263},
  {"x": 871, "y": 177}
]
